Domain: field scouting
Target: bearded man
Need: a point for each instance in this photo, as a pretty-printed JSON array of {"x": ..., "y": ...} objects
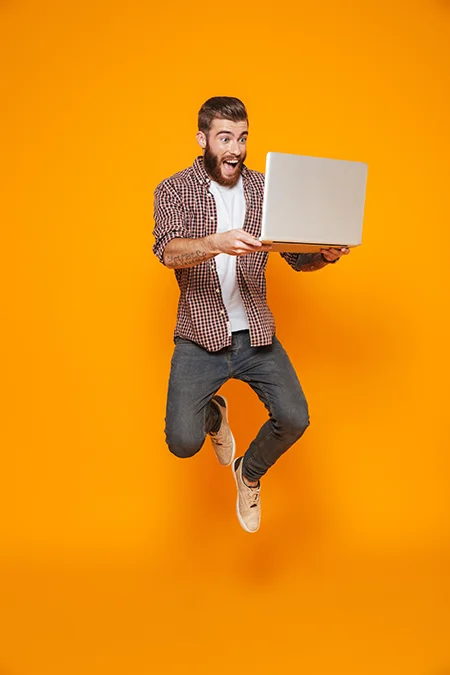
[{"x": 207, "y": 224}]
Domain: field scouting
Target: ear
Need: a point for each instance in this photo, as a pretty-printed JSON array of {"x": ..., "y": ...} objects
[{"x": 201, "y": 139}]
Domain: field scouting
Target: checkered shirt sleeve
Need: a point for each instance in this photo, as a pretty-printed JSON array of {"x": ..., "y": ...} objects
[{"x": 169, "y": 219}]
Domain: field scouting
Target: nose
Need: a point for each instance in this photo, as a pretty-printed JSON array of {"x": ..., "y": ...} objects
[{"x": 234, "y": 147}]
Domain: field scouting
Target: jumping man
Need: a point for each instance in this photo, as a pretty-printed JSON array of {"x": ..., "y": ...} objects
[{"x": 207, "y": 224}]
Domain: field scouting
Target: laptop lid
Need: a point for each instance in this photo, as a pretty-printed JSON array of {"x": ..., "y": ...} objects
[{"x": 313, "y": 200}]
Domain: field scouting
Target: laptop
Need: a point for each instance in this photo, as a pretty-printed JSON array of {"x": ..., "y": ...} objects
[{"x": 312, "y": 203}]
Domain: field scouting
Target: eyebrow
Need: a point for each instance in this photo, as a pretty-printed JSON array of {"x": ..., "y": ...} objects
[{"x": 230, "y": 133}]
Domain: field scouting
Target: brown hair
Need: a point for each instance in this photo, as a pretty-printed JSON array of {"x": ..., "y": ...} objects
[{"x": 221, "y": 107}]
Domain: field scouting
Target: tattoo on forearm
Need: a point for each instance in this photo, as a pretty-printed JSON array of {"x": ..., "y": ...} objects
[
  {"x": 316, "y": 262},
  {"x": 186, "y": 259}
]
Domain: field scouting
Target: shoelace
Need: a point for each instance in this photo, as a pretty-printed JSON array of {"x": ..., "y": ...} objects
[{"x": 252, "y": 497}]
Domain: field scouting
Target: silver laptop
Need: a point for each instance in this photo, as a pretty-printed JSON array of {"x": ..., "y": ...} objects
[{"x": 312, "y": 202}]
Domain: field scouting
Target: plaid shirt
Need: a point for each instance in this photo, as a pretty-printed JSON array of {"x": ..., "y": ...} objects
[{"x": 184, "y": 207}]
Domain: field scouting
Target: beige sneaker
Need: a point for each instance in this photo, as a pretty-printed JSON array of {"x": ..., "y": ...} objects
[
  {"x": 248, "y": 505},
  {"x": 223, "y": 440}
]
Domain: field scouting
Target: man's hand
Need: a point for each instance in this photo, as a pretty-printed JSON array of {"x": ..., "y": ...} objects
[
  {"x": 333, "y": 254},
  {"x": 183, "y": 252},
  {"x": 237, "y": 242}
]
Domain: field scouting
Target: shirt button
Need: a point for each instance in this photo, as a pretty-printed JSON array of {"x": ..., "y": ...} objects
[
  {"x": 217, "y": 290},
  {"x": 212, "y": 218},
  {"x": 222, "y": 311}
]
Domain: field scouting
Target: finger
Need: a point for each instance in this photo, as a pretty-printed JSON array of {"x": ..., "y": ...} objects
[
  {"x": 259, "y": 249},
  {"x": 248, "y": 238},
  {"x": 245, "y": 250},
  {"x": 330, "y": 256},
  {"x": 335, "y": 249},
  {"x": 242, "y": 250},
  {"x": 249, "y": 247}
]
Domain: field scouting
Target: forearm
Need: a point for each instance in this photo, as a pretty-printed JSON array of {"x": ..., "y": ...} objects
[
  {"x": 184, "y": 252},
  {"x": 310, "y": 262}
]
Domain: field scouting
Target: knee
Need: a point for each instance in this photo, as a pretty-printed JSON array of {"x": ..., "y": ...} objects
[
  {"x": 183, "y": 446},
  {"x": 293, "y": 422}
]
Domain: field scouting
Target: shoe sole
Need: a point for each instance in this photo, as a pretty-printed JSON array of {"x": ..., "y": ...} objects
[
  {"x": 241, "y": 521},
  {"x": 232, "y": 437}
]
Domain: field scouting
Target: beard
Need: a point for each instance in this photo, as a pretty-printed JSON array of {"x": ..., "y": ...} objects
[{"x": 213, "y": 167}]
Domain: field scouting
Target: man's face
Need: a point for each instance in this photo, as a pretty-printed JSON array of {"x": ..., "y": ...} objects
[{"x": 225, "y": 151}]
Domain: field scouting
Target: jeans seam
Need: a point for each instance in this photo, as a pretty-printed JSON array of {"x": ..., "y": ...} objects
[
  {"x": 268, "y": 401},
  {"x": 245, "y": 379},
  {"x": 269, "y": 433}
]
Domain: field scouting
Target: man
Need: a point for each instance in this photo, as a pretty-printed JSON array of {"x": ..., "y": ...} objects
[{"x": 207, "y": 224}]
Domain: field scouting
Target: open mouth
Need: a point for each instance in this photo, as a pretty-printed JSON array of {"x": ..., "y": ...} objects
[{"x": 230, "y": 166}]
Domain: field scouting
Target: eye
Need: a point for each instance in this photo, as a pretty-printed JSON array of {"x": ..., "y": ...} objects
[
  {"x": 224, "y": 139},
  {"x": 243, "y": 140}
]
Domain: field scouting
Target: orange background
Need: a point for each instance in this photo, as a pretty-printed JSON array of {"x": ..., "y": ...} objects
[{"x": 115, "y": 556}]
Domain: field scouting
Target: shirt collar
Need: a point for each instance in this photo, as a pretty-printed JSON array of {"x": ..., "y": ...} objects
[{"x": 202, "y": 176}]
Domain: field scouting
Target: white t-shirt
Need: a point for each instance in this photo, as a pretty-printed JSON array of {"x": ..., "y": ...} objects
[{"x": 230, "y": 204}]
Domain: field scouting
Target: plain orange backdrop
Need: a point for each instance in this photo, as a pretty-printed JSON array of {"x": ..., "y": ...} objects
[{"x": 115, "y": 556}]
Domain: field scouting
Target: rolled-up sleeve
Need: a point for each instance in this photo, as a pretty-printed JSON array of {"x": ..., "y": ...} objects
[
  {"x": 291, "y": 259},
  {"x": 169, "y": 219}
]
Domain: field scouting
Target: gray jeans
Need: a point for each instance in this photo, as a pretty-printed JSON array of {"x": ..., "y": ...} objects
[{"x": 196, "y": 375}]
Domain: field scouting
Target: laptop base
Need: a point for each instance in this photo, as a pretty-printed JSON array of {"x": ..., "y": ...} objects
[{"x": 286, "y": 247}]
